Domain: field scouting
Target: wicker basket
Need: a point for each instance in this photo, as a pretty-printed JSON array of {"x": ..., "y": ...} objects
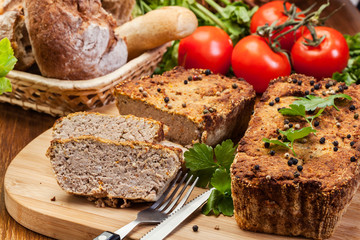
[{"x": 60, "y": 97}]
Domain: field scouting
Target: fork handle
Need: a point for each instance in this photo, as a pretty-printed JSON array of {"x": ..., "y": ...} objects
[{"x": 108, "y": 236}]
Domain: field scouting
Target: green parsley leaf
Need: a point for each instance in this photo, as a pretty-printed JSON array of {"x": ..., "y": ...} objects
[
  {"x": 7, "y": 63},
  {"x": 213, "y": 168},
  {"x": 199, "y": 157},
  {"x": 294, "y": 110},
  {"x": 5, "y": 85},
  {"x": 226, "y": 206},
  {"x": 312, "y": 102},
  {"x": 292, "y": 134},
  {"x": 277, "y": 142},
  {"x": 221, "y": 180},
  {"x": 224, "y": 153}
]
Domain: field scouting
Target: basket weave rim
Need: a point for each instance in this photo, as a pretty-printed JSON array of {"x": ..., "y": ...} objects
[{"x": 89, "y": 84}]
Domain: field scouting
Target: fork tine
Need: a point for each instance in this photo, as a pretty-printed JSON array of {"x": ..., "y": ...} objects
[
  {"x": 164, "y": 205},
  {"x": 182, "y": 202},
  {"x": 166, "y": 192},
  {"x": 185, "y": 198}
]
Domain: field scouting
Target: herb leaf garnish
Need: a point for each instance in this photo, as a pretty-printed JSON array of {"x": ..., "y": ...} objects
[
  {"x": 299, "y": 108},
  {"x": 212, "y": 165},
  {"x": 311, "y": 102},
  {"x": 7, "y": 63}
]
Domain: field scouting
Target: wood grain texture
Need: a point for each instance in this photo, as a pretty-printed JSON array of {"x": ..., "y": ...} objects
[
  {"x": 18, "y": 127},
  {"x": 30, "y": 185}
]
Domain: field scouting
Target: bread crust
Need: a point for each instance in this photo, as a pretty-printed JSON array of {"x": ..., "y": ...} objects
[
  {"x": 73, "y": 39},
  {"x": 272, "y": 199},
  {"x": 209, "y": 109}
]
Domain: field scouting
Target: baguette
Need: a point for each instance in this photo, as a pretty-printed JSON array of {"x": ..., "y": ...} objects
[{"x": 156, "y": 28}]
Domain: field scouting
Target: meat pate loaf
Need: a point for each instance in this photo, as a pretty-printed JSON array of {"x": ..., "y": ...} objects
[
  {"x": 118, "y": 128},
  {"x": 99, "y": 168},
  {"x": 272, "y": 194},
  {"x": 196, "y": 104}
]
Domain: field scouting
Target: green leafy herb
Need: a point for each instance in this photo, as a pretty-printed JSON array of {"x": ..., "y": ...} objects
[
  {"x": 311, "y": 102},
  {"x": 7, "y": 63},
  {"x": 291, "y": 135},
  {"x": 234, "y": 18},
  {"x": 351, "y": 74},
  {"x": 299, "y": 108},
  {"x": 212, "y": 165}
]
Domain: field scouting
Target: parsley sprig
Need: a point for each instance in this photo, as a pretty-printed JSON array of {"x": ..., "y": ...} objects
[
  {"x": 212, "y": 165},
  {"x": 7, "y": 63},
  {"x": 300, "y": 108}
]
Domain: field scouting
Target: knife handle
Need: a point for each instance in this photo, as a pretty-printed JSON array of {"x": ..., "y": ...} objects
[{"x": 108, "y": 236}]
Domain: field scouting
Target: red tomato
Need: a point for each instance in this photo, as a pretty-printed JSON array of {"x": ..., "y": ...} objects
[
  {"x": 322, "y": 61},
  {"x": 257, "y": 63},
  {"x": 207, "y": 48},
  {"x": 271, "y": 12}
]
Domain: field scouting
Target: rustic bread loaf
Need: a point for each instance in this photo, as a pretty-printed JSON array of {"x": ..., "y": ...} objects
[
  {"x": 73, "y": 39},
  {"x": 273, "y": 195},
  {"x": 119, "y": 9},
  {"x": 99, "y": 168},
  {"x": 117, "y": 128},
  {"x": 12, "y": 26},
  {"x": 195, "y": 104}
]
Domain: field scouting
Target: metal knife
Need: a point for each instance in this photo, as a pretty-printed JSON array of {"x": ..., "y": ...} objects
[{"x": 169, "y": 224}]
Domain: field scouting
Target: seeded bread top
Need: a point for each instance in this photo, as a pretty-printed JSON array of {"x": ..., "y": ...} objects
[
  {"x": 328, "y": 163},
  {"x": 196, "y": 93}
]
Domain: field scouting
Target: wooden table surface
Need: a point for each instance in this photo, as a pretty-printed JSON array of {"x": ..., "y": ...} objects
[{"x": 18, "y": 127}]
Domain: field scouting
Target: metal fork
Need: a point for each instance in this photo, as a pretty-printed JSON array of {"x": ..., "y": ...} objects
[{"x": 158, "y": 211}]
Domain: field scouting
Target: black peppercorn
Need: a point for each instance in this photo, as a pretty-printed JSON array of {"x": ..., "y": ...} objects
[
  {"x": 299, "y": 82},
  {"x": 322, "y": 140},
  {"x": 279, "y": 137},
  {"x": 296, "y": 174},
  {"x": 352, "y": 107},
  {"x": 307, "y": 92},
  {"x": 166, "y": 99},
  {"x": 353, "y": 159},
  {"x": 186, "y": 82},
  {"x": 266, "y": 145},
  {"x": 335, "y": 149},
  {"x": 271, "y": 103},
  {"x": 295, "y": 161},
  {"x": 352, "y": 143},
  {"x": 159, "y": 90},
  {"x": 312, "y": 89},
  {"x": 256, "y": 167},
  {"x": 234, "y": 86},
  {"x": 272, "y": 152},
  {"x": 195, "y": 228},
  {"x": 346, "y": 87},
  {"x": 190, "y": 78},
  {"x": 317, "y": 86},
  {"x": 316, "y": 123},
  {"x": 294, "y": 80},
  {"x": 277, "y": 99},
  {"x": 356, "y": 116},
  {"x": 291, "y": 125},
  {"x": 348, "y": 136},
  {"x": 341, "y": 88},
  {"x": 335, "y": 143},
  {"x": 207, "y": 72},
  {"x": 312, "y": 82},
  {"x": 290, "y": 162},
  {"x": 299, "y": 168},
  {"x": 327, "y": 85},
  {"x": 286, "y": 121}
]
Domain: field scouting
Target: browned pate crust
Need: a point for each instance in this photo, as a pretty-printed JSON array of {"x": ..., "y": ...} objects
[
  {"x": 196, "y": 106},
  {"x": 273, "y": 199}
]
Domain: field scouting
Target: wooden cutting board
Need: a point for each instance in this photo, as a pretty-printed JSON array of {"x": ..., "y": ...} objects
[{"x": 30, "y": 185}]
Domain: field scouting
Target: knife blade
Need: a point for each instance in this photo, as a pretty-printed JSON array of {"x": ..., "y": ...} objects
[{"x": 176, "y": 218}]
